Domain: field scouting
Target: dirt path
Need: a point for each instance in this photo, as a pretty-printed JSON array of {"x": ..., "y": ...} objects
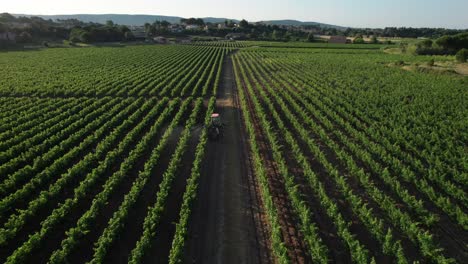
[{"x": 225, "y": 222}]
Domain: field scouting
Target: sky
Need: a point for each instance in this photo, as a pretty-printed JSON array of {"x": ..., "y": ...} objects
[{"x": 352, "y": 13}]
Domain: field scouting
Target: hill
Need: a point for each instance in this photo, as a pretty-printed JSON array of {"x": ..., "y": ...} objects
[
  {"x": 137, "y": 20},
  {"x": 289, "y": 22},
  {"x": 129, "y": 20}
]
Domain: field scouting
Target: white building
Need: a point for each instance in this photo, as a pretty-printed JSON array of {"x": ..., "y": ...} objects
[
  {"x": 160, "y": 40},
  {"x": 192, "y": 27}
]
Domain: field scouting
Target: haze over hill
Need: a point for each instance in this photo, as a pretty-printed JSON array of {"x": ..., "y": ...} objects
[{"x": 137, "y": 20}]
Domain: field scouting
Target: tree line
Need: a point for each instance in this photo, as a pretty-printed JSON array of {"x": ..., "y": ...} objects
[
  {"x": 38, "y": 29},
  {"x": 109, "y": 32}
]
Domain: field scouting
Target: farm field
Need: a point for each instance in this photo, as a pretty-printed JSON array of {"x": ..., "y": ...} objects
[{"x": 330, "y": 154}]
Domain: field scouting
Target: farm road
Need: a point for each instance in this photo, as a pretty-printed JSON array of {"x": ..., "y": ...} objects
[{"x": 223, "y": 226}]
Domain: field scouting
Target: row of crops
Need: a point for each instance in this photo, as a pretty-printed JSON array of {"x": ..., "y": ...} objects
[
  {"x": 74, "y": 185},
  {"x": 172, "y": 71},
  {"x": 101, "y": 151},
  {"x": 222, "y": 43},
  {"x": 372, "y": 159},
  {"x": 289, "y": 45}
]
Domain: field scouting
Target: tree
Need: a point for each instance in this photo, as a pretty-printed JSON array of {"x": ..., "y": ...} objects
[
  {"x": 165, "y": 24},
  {"x": 358, "y": 40},
  {"x": 200, "y": 22},
  {"x": 310, "y": 37},
  {"x": 229, "y": 23},
  {"x": 462, "y": 55},
  {"x": 110, "y": 23},
  {"x": 431, "y": 63},
  {"x": 124, "y": 28},
  {"x": 374, "y": 40},
  {"x": 6, "y": 17},
  {"x": 453, "y": 43},
  {"x": 277, "y": 34},
  {"x": 150, "y": 31},
  {"x": 79, "y": 35},
  {"x": 193, "y": 21},
  {"x": 24, "y": 37},
  {"x": 243, "y": 23},
  {"x": 129, "y": 35},
  {"x": 427, "y": 43}
]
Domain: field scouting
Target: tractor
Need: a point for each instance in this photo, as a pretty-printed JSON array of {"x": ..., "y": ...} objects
[{"x": 215, "y": 128}]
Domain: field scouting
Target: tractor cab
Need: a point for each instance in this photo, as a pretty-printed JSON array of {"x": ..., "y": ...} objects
[
  {"x": 215, "y": 129},
  {"x": 215, "y": 119}
]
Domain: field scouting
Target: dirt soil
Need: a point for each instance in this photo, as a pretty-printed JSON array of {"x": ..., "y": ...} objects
[
  {"x": 462, "y": 68},
  {"x": 226, "y": 225}
]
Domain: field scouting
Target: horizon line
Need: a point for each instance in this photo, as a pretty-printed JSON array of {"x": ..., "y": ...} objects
[{"x": 302, "y": 21}]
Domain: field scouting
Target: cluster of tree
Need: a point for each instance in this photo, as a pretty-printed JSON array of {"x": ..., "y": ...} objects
[
  {"x": 29, "y": 29},
  {"x": 101, "y": 33},
  {"x": 402, "y": 32},
  {"x": 445, "y": 45},
  {"x": 251, "y": 31},
  {"x": 453, "y": 43},
  {"x": 327, "y": 31},
  {"x": 34, "y": 29},
  {"x": 157, "y": 28},
  {"x": 257, "y": 31},
  {"x": 193, "y": 21}
]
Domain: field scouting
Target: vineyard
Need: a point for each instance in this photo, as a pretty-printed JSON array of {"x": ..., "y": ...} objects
[
  {"x": 329, "y": 156},
  {"x": 98, "y": 72},
  {"x": 372, "y": 161}
]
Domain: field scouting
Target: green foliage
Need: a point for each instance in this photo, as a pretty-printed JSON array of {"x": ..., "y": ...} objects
[
  {"x": 427, "y": 43},
  {"x": 380, "y": 156},
  {"x": 129, "y": 36},
  {"x": 277, "y": 35},
  {"x": 452, "y": 44},
  {"x": 193, "y": 21},
  {"x": 425, "y": 47},
  {"x": 309, "y": 112},
  {"x": 162, "y": 70},
  {"x": 178, "y": 243},
  {"x": 24, "y": 37},
  {"x": 431, "y": 63},
  {"x": 243, "y": 23},
  {"x": 462, "y": 55},
  {"x": 358, "y": 40},
  {"x": 79, "y": 35},
  {"x": 110, "y": 23}
]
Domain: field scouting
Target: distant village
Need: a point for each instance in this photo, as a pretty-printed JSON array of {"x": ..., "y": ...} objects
[
  {"x": 22, "y": 30},
  {"x": 34, "y": 29},
  {"x": 232, "y": 31}
]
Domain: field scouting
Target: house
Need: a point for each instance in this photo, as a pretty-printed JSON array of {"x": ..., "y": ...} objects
[
  {"x": 236, "y": 36},
  {"x": 192, "y": 27},
  {"x": 338, "y": 40},
  {"x": 160, "y": 40},
  {"x": 175, "y": 28},
  {"x": 8, "y": 36}
]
